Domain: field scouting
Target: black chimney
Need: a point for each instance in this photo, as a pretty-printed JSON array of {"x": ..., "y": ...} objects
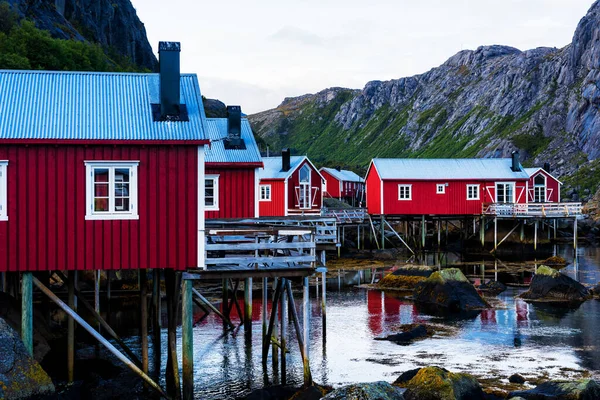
[
  {"x": 547, "y": 167},
  {"x": 234, "y": 128},
  {"x": 170, "y": 99},
  {"x": 516, "y": 164},
  {"x": 285, "y": 160},
  {"x": 338, "y": 168}
]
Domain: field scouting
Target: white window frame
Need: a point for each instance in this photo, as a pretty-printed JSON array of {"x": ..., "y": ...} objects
[
  {"x": 514, "y": 194},
  {"x": 477, "y": 187},
  {"x": 409, "y": 189},
  {"x": 538, "y": 186},
  {"x": 112, "y": 214},
  {"x": 440, "y": 186},
  {"x": 215, "y": 179},
  {"x": 3, "y": 191},
  {"x": 267, "y": 188}
]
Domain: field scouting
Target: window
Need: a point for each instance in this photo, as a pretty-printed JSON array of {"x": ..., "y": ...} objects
[
  {"x": 111, "y": 190},
  {"x": 404, "y": 192},
  {"x": 265, "y": 192},
  {"x": 539, "y": 189},
  {"x": 211, "y": 192},
  {"x": 304, "y": 189},
  {"x": 472, "y": 192},
  {"x": 440, "y": 188},
  {"x": 505, "y": 192},
  {"x": 3, "y": 197}
]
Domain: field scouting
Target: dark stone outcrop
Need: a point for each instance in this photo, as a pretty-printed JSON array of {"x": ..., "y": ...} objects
[
  {"x": 405, "y": 278},
  {"x": 433, "y": 383},
  {"x": 551, "y": 286},
  {"x": 492, "y": 287},
  {"x": 596, "y": 290},
  {"x": 21, "y": 376},
  {"x": 409, "y": 336},
  {"x": 366, "y": 391},
  {"x": 516, "y": 378},
  {"x": 449, "y": 289},
  {"x": 586, "y": 389},
  {"x": 406, "y": 376},
  {"x": 113, "y": 24}
]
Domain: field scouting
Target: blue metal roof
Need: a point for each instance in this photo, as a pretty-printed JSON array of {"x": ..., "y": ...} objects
[
  {"x": 216, "y": 131},
  {"x": 92, "y": 106},
  {"x": 343, "y": 175},
  {"x": 447, "y": 168},
  {"x": 272, "y": 168}
]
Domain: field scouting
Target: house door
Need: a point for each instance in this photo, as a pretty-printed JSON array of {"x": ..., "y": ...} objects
[
  {"x": 505, "y": 192},
  {"x": 304, "y": 193},
  {"x": 539, "y": 189}
]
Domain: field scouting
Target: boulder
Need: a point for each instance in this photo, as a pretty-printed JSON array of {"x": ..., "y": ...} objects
[
  {"x": 386, "y": 254},
  {"x": 550, "y": 285},
  {"x": 411, "y": 334},
  {"x": 366, "y": 391},
  {"x": 492, "y": 287},
  {"x": 596, "y": 290},
  {"x": 405, "y": 277},
  {"x": 406, "y": 376},
  {"x": 433, "y": 383},
  {"x": 516, "y": 378},
  {"x": 450, "y": 290},
  {"x": 20, "y": 375},
  {"x": 585, "y": 389},
  {"x": 556, "y": 262}
]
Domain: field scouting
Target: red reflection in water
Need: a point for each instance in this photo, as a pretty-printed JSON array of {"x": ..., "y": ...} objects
[
  {"x": 488, "y": 317},
  {"x": 522, "y": 312},
  {"x": 385, "y": 311}
]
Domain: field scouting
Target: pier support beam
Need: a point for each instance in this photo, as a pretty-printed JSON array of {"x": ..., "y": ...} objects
[
  {"x": 324, "y": 301},
  {"x": 173, "y": 285},
  {"x": 284, "y": 330},
  {"x": 482, "y": 231},
  {"x": 27, "y": 311},
  {"x": 156, "y": 322},
  {"x": 187, "y": 342},
  {"x": 575, "y": 235},
  {"x": 535, "y": 234},
  {"x": 522, "y": 233},
  {"x": 248, "y": 307},
  {"x": 423, "y": 231},
  {"x": 306, "y": 326},
  {"x": 71, "y": 328},
  {"x": 382, "y": 233},
  {"x": 495, "y": 234},
  {"x": 144, "y": 318}
]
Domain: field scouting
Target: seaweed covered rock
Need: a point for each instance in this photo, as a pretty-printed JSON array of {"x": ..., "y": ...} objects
[
  {"x": 492, "y": 287},
  {"x": 596, "y": 290},
  {"x": 561, "y": 390},
  {"x": 366, "y": 391},
  {"x": 449, "y": 289},
  {"x": 411, "y": 334},
  {"x": 550, "y": 285},
  {"x": 20, "y": 375},
  {"x": 405, "y": 277},
  {"x": 556, "y": 262},
  {"x": 433, "y": 383}
]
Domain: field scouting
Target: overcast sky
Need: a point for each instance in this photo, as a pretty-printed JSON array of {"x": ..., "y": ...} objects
[{"x": 255, "y": 53}]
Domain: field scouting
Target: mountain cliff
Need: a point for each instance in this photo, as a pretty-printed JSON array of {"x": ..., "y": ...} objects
[
  {"x": 482, "y": 103},
  {"x": 112, "y": 24}
]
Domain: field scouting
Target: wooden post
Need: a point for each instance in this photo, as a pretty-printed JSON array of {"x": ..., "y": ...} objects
[
  {"x": 554, "y": 228},
  {"x": 439, "y": 233},
  {"x": 109, "y": 275},
  {"x": 284, "y": 326},
  {"x": 156, "y": 322},
  {"x": 446, "y": 233},
  {"x": 522, "y": 233},
  {"x": 144, "y": 318},
  {"x": 97, "y": 301},
  {"x": 172, "y": 284},
  {"x": 535, "y": 234},
  {"x": 71, "y": 329},
  {"x": 27, "y": 311},
  {"x": 423, "y": 231},
  {"x": 495, "y": 233},
  {"x": 225, "y": 301},
  {"x": 187, "y": 342},
  {"x": 248, "y": 307},
  {"x": 306, "y": 326},
  {"x": 265, "y": 289},
  {"x": 275, "y": 326},
  {"x": 575, "y": 235},
  {"x": 3, "y": 282},
  {"x": 324, "y": 302},
  {"x": 272, "y": 323},
  {"x": 382, "y": 233},
  {"x": 482, "y": 231}
]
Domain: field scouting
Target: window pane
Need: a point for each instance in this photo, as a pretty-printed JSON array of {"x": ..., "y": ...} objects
[
  {"x": 539, "y": 180},
  {"x": 100, "y": 175},
  {"x": 101, "y": 190},
  {"x": 122, "y": 175},
  {"x": 121, "y": 189},
  {"x": 305, "y": 174},
  {"x": 122, "y": 204},
  {"x": 100, "y": 204}
]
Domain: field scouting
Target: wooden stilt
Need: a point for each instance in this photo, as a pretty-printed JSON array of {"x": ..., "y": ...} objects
[
  {"x": 482, "y": 231},
  {"x": 575, "y": 235},
  {"x": 265, "y": 288},
  {"x": 284, "y": 325},
  {"x": 27, "y": 311},
  {"x": 522, "y": 233},
  {"x": 225, "y": 301},
  {"x": 495, "y": 234},
  {"x": 144, "y": 319},
  {"x": 535, "y": 234},
  {"x": 187, "y": 342},
  {"x": 299, "y": 335},
  {"x": 248, "y": 307},
  {"x": 172, "y": 284},
  {"x": 156, "y": 322},
  {"x": 382, "y": 232},
  {"x": 272, "y": 321},
  {"x": 306, "y": 326},
  {"x": 97, "y": 293},
  {"x": 3, "y": 282},
  {"x": 554, "y": 226},
  {"x": 439, "y": 233},
  {"x": 71, "y": 329},
  {"x": 109, "y": 275},
  {"x": 423, "y": 231}
]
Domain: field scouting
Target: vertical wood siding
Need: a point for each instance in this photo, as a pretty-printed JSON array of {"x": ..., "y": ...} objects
[
  {"x": 333, "y": 185},
  {"x": 373, "y": 189},
  {"x": 316, "y": 184},
  {"x": 236, "y": 192},
  {"x": 552, "y": 188},
  {"x": 46, "y": 227},
  {"x": 275, "y": 207}
]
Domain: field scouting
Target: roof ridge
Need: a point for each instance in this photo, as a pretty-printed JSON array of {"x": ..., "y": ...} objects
[{"x": 47, "y": 72}]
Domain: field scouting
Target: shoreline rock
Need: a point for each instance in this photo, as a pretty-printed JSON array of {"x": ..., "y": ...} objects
[
  {"x": 405, "y": 278},
  {"x": 557, "y": 390},
  {"x": 434, "y": 383},
  {"x": 549, "y": 285},
  {"x": 450, "y": 290},
  {"x": 366, "y": 391}
]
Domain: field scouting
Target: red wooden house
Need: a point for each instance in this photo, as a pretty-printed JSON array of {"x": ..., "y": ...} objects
[
  {"x": 342, "y": 184},
  {"x": 542, "y": 186},
  {"x": 443, "y": 186},
  {"x": 101, "y": 170},
  {"x": 232, "y": 162},
  {"x": 289, "y": 186}
]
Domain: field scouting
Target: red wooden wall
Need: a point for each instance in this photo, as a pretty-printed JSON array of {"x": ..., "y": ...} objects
[
  {"x": 275, "y": 207},
  {"x": 237, "y": 196},
  {"x": 316, "y": 185},
  {"x": 333, "y": 185},
  {"x": 46, "y": 227},
  {"x": 373, "y": 194},
  {"x": 552, "y": 187}
]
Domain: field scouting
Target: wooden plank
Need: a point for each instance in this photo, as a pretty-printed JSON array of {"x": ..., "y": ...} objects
[
  {"x": 259, "y": 260},
  {"x": 261, "y": 246}
]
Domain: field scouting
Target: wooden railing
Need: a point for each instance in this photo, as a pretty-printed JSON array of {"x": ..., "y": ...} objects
[
  {"x": 250, "y": 246},
  {"x": 345, "y": 215},
  {"x": 544, "y": 210}
]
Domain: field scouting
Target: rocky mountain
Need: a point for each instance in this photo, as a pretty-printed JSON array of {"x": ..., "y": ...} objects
[
  {"x": 113, "y": 24},
  {"x": 483, "y": 103}
]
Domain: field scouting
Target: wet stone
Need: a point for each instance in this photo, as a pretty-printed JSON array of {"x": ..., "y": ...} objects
[
  {"x": 562, "y": 390},
  {"x": 516, "y": 378},
  {"x": 366, "y": 391},
  {"x": 550, "y": 285}
]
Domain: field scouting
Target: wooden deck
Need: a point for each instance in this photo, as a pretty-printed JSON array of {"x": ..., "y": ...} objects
[
  {"x": 533, "y": 210},
  {"x": 345, "y": 215}
]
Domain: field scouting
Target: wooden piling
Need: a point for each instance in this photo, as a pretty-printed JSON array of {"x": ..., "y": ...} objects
[
  {"x": 482, "y": 231},
  {"x": 423, "y": 231},
  {"x": 172, "y": 284},
  {"x": 284, "y": 329},
  {"x": 187, "y": 342},
  {"x": 156, "y": 322},
  {"x": 575, "y": 235},
  {"x": 71, "y": 329},
  {"x": 535, "y": 234},
  {"x": 306, "y": 326},
  {"x": 382, "y": 233},
  {"x": 272, "y": 322},
  {"x": 265, "y": 288},
  {"x": 495, "y": 233},
  {"x": 248, "y": 307},
  {"x": 27, "y": 311},
  {"x": 144, "y": 319}
]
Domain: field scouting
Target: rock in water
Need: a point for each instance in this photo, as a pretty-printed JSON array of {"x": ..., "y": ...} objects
[
  {"x": 492, "y": 287},
  {"x": 366, "y": 391},
  {"x": 408, "y": 336},
  {"x": 516, "y": 378},
  {"x": 596, "y": 290},
  {"x": 579, "y": 390},
  {"x": 449, "y": 289},
  {"x": 20, "y": 375},
  {"x": 550, "y": 285},
  {"x": 433, "y": 383},
  {"x": 405, "y": 277}
]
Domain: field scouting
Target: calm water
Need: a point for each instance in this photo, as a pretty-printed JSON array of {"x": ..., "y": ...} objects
[{"x": 514, "y": 337}]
